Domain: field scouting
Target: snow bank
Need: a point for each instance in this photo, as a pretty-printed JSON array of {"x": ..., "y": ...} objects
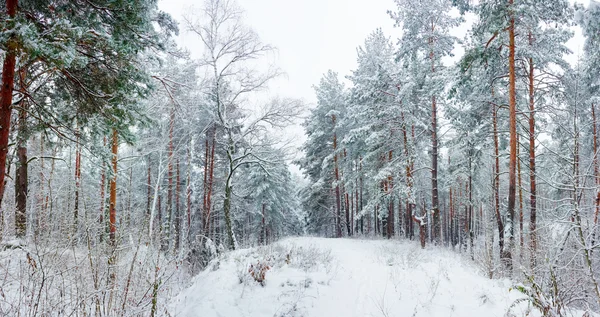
[{"x": 346, "y": 277}]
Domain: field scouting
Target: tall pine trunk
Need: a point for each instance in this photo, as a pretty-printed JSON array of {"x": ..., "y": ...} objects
[
  {"x": 169, "y": 209},
  {"x": 521, "y": 239},
  {"x": 21, "y": 182},
  {"x": 512, "y": 169},
  {"x": 41, "y": 214},
  {"x": 77, "y": 183},
  {"x": 338, "y": 223},
  {"x": 6, "y": 90},
  {"x": 497, "y": 179},
  {"x": 113, "y": 190},
  {"x": 532, "y": 181},
  {"x": 435, "y": 208},
  {"x": 149, "y": 187},
  {"x": 470, "y": 222},
  {"x": 390, "y": 218},
  {"x": 409, "y": 182},
  {"x": 177, "y": 208},
  {"x": 188, "y": 194},
  {"x": 434, "y": 174},
  {"x": 102, "y": 196}
]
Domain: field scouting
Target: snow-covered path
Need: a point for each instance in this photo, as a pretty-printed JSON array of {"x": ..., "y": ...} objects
[{"x": 346, "y": 277}]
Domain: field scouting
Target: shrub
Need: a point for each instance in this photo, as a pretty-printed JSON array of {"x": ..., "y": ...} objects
[{"x": 258, "y": 271}]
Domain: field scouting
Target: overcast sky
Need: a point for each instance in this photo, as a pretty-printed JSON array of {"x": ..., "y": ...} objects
[{"x": 312, "y": 36}]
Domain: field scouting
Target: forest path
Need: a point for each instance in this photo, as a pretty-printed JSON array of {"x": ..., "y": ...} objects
[{"x": 346, "y": 277}]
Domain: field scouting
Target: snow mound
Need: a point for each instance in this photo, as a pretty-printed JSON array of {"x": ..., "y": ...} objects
[{"x": 346, "y": 277}]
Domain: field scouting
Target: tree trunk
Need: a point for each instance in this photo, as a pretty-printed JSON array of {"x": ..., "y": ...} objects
[
  {"x": 434, "y": 171},
  {"x": 205, "y": 219},
  {"x": 159, "y": 213},
  {"x": 209, "y": 185},
  {"x": 21, "y": 182},
  {"x": 149, "y": 185},
  {"x": 169, "y": 209},
  {"x": 8, "y": 82},
  {"x": 188, "y": 194},
  {"x": 519, "y": 182},
  {"x": 352, "y": 213},
  {"x": 227, "y": 209},
  {"x": 362, "y": 221},
  {"x": 40, "y": 219},
  {"x": 435, "y": 209},
  {"x": 390, "y": 220},
  {"x": 102, "y": 193},
  {"x": 113, "y": 190},
  {"x": 409, "y": 182},
  {"x": 177, "y": 208},
  {"x": 512, "y": 108},
  {"x": 337, "y": 185},
  {"x": 451, "y": 221},
  {"x": 400, "y": 219},
  {"x": 77, "y": 183},
  {"x": 470, "y": 221},
  {"x": 347, "y": 207},
  {"x": 263, "y": 234},
  {"x": 421, "y": 223},
  {"x": 532, "y": 181},
  {"x": 497, "y": 180}
]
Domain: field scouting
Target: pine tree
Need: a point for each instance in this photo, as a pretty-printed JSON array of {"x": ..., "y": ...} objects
[{"x": 426, "y": 28}]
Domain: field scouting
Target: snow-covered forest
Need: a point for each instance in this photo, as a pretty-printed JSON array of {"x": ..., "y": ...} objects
[{"x": 453, "y": 172}]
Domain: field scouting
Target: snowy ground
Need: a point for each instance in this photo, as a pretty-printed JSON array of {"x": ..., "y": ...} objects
[{"x": 346, "y": 277}]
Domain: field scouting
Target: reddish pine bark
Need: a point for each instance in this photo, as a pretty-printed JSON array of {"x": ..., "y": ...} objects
[
  {"x": 205, "y": 186},
  {"x": 347, "y": 207},
  {"x": 6, "y": 90}
]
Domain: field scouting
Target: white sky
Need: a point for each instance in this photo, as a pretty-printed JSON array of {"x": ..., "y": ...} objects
[{"x": 313, "y": 36}]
